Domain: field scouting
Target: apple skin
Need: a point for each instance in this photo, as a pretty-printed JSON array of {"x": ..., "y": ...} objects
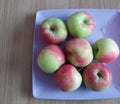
[
  {"x": 50, "y": 58},
  {"x": 68, "y": 78},
  {"x": 53, "y": 30},
  {"x": 105, "y": 50},
  {"x": 80, "y": 24},
  {"x": 79, "y": 52},
  {"x": 97, "y": 76}
]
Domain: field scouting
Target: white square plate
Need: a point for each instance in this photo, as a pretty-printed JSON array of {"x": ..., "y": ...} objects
[{"x": 107, "y": 24}]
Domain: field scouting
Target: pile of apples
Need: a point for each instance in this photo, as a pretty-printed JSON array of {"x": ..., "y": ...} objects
[{"x": 78, "y": 53}]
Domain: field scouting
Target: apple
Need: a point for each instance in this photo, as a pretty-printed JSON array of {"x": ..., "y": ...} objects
[
  {"x": 79, "y": 52},
  {"x": 53, "y": 30},
  {"x": 105, "y": 50},
  {"x": 68, "y": 78},
  {"x": 97, "y": 76},
  {"x": 50, "y": 58},
  {"x": 80, "y": 24}
]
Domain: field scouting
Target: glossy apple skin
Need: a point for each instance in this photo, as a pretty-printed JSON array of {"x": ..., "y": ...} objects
[
  {"x": 53, "y": 30},
  {"x": 50, "y": 58},
  {"x": 79, "y": 52},
  {"x": 68, "y": 78},
  {"x": 97, "y": 76},
  {"x": 80, "y": 24},
  {"x": 106, "y": 50}
]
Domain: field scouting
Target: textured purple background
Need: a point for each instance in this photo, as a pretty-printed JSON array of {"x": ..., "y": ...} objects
[{"x": 107, "y": 24}]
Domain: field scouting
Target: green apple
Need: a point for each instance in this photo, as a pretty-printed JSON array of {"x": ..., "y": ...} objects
[{"x": 80, "y": 24}]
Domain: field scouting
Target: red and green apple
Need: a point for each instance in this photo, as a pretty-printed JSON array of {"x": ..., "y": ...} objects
[
  {"x": 79, "y": 52},
  {"x": 105, "y": 50},
  {"x": 68, "y": 78},
  {"x": 97, "y": 76},
  {"x": 50, "y": 58},
  {"x": 53, "y": 30}
]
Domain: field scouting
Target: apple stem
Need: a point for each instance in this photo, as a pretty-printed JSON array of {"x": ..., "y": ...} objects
[
  {"x": 99, "y": 75},
  {"x": 86, "y": 21},
  {"x": 53, "y": 28}
]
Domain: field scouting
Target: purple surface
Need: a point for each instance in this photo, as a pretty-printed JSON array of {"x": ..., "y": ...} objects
[{"x": 107, "y": 24}]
